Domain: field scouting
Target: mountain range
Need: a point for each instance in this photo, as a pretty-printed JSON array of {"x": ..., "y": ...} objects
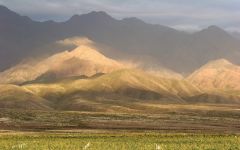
[
  {"x": 129, "y": 38},
  {"x": 93, "y": 62},
  {"x": 85, "y": 79}
]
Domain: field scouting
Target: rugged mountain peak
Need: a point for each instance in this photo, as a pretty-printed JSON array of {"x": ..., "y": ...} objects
[
  {"x": 5, "y": 12},
  {"x": 8, "y": 16},
  {"x": 74, "y": 17},
  {"x": 214, "y": 31},
  {"x": 133, "y": 20},
  {"x": 214, "y": 28},
  {"x": 218, "y": 63},
  {"x": 99, "y": 14},
  {"x": 85, "y": 52},
  {"x": 94, "y": 15},
  {"x": 4, "y": 9}
]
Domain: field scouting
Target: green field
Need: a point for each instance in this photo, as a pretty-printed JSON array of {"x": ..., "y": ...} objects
[{"x": 117, "y": 141}]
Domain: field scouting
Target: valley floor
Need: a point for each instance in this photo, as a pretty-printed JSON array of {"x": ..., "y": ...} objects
[
  {"x": 154, "y": 126},
  {"x": 174, "y": 118}
]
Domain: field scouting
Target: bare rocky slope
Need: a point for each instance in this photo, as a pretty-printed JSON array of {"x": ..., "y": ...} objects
[
  {"x": 217, "y": 75},
  {"x": 83, "y": 60}
]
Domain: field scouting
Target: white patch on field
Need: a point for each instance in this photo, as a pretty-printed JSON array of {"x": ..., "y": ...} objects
[{"x": 86, "y": 146}]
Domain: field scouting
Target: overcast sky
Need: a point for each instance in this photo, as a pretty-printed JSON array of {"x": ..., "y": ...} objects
[{"x": 180, "y": 14}]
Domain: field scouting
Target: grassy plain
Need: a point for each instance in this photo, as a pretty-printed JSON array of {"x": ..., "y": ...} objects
[{"x": 117, "y": 141}]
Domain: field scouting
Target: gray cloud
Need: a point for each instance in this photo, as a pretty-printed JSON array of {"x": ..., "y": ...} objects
[{"x": 185, "y": 14}]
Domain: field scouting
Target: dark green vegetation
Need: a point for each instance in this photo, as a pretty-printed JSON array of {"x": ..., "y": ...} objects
[{"x": 114, "y": 141}]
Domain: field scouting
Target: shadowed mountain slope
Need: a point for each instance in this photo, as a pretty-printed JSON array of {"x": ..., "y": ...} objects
[
  {"x": 214, "y": 98},
  {"x": 119, "y": 87},
  {"x": 15, "y": 97}
]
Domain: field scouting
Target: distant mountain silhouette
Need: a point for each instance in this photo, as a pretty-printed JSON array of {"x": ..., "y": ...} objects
[{"x": 21, "y": 37}]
